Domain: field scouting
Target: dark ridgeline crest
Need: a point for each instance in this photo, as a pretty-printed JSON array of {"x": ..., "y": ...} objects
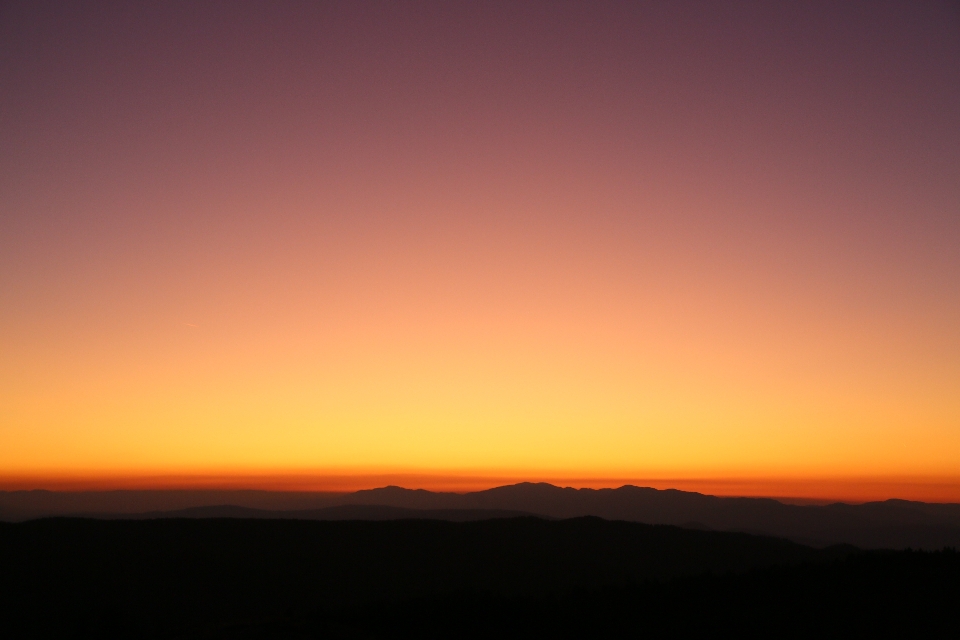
[{"x": 895, "y": 524}]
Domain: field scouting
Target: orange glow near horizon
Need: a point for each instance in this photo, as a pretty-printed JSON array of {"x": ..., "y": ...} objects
[
  {"x": 477, "y": 244},
  {"x": 799, "y": 489}
]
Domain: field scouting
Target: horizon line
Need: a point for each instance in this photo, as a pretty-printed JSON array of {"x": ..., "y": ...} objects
[{"x": 824, "y": 489}]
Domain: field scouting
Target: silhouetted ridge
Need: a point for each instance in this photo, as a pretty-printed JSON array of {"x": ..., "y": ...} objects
[{"x": 889, "y": 524}]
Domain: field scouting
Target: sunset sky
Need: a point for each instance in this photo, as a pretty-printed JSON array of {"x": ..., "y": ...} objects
[{"x": 595, "y": 242}]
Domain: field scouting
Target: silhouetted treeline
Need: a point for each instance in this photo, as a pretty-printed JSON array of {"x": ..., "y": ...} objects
[{"x": 509, "y": 577}]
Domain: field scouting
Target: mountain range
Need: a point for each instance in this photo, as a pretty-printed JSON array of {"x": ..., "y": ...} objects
[{"x": 894, "y": 524}]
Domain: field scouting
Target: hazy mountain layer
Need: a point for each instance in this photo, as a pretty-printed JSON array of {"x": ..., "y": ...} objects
[{"x": 889, "y": 524}]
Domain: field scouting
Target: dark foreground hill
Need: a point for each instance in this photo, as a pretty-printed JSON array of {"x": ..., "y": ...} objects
[
  {"x": 893, "y": 524},
  {"x": 239, "y": 578}
]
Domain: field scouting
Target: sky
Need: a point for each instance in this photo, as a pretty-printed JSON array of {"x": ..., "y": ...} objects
[{"x": 587, "y": 242}]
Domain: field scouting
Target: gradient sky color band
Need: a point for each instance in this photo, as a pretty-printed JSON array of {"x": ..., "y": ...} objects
[{"x": 581, "y": 240}]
